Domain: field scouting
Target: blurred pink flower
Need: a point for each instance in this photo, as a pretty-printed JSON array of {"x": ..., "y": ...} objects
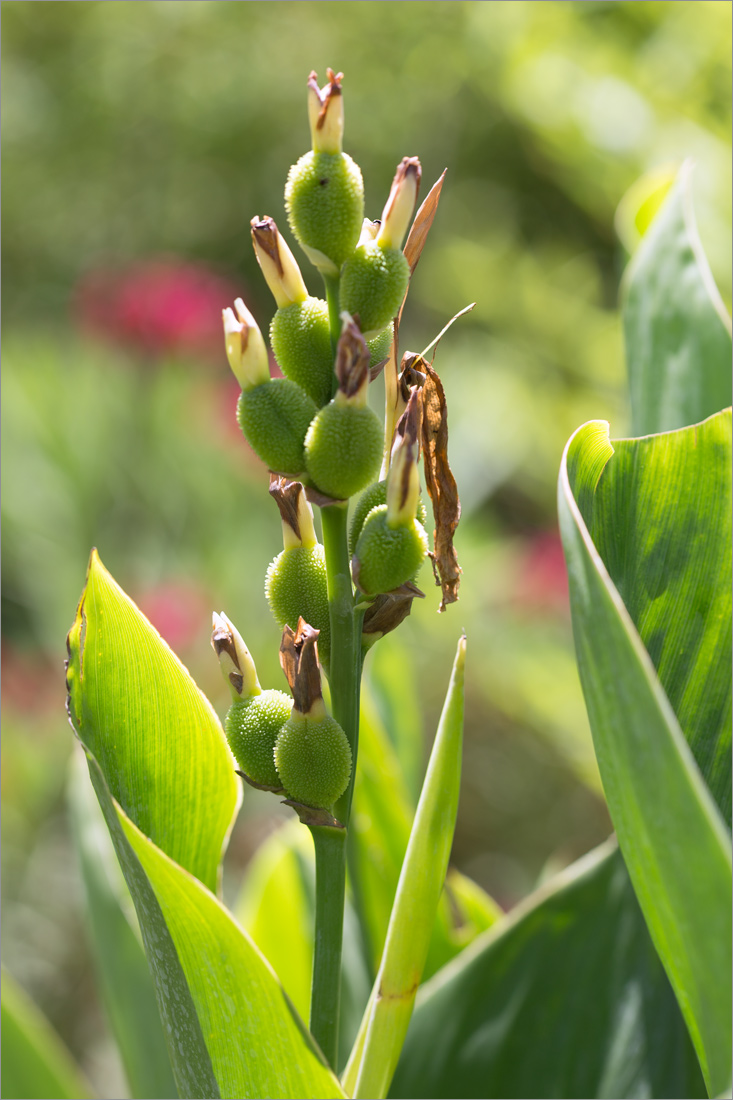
[
  {"x": 542, "y": 581},
  {"x": 157, "y": 307},
  {"x": 180, "y": 612}
]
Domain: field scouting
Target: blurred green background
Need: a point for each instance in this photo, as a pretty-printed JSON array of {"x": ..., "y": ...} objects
[{"x": 138, "y": 141}]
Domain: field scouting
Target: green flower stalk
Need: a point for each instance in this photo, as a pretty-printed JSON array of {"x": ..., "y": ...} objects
[
  {"x": 343, "y": 447},
  {"x": 324, "y": 193},
  {"x": 255, "y": 717},
  {"x": 374, "y": 280},
  {"x": 300, "y": 331},
  {"x": 295, "y": 584},
  {"x": 273, "y": 413}
]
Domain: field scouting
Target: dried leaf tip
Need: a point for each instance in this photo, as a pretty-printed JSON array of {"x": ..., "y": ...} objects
[
  {"x": 277, "y": 262},
  {"x": 245, "y": 346},
  {"x": 295, "y": 512},
  {"x": 352, "y": 363},
  {"x": 235, "y": 660},
  {"x": 326, "y": 113},
  {"x": 299, "y": 662},
  {"x": 400, "y": 206}
]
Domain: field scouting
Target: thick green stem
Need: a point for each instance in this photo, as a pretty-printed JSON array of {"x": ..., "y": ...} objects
[
  {"x": 345, "y": 672},
  {"x": 330, "y": 846}
]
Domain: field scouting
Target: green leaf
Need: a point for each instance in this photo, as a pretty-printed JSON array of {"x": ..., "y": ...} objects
[
  {"x": 565, "y": 997},
  {"x": 156, "y": 737},
  {"x": 646, "y": 530},
  {"x": 677, "y": 331},
  {"x": 230, "y": 1028},
  {"x": 36, "y": 1064},
  {"x": 276, "y": 907},
  {"x": 232, "y": 1031},
  {"x": 378, "y": 837},
  {"x": 122, "y": 969},
  {"x": 387, "y": 1016}
]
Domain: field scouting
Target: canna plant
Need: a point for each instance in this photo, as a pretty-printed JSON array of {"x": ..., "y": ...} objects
[{"x": 613, "y": 979}]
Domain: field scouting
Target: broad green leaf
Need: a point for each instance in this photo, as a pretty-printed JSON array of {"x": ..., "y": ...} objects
[
  {"x": 155, "y": 736},
  {"x": 36, "y": 1064},
  {"x": 677, "y": 331},
  {"x": 565, "y": 997},
  {"x": 232, "y": 1031},
  {"x": 122, "y": 969},
  {"x": 646, "y": 530},
  {"x": 230, "y": 1028},
  {"x": 387, "y": 1016}
]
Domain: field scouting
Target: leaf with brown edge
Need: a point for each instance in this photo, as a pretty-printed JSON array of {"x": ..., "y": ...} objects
[{"x": 441, "y": 486}]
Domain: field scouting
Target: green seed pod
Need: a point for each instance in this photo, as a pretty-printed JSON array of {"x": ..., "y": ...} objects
[
  {"x": 252, "y": 726},
  {"x": 379, "y": 346},
  {"x": 274, "y": 417},
  {"x": 343, "y": 448},
  {"x": 300, "y": 336},
  {"x": 313, "y": 758},
  {"x": 295, "y": 586},
  {"x": 372, "y": 497},
  {"x": 324, "y": 197},
  {"x": 386, "y": 556},
  {"x": 373, "y": 284}
]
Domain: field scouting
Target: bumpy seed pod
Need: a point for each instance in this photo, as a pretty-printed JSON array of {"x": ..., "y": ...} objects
[
  {"x": 379, "y": 346},
  {"x": 324, "y": 193},
  {"x": 275, "y": 417},
  {"x": 295, "y": 584},
  {"x": 274, "y": 414},
  {"x": 300, "y": 331},
  {"x": 300, "y": 336},
  {"x": 374, "y": 280},
  {"x": 343, "y": 449},
  {"x": 373, "y": 284},
  {"x": 255, "y": 717},
  {"x": 392, "y": 543},
  {"x": 313, "y": 758},
  {"x": 344, "y": 442},
  {"x": 251, "y": 727},
  {"x": 372, "y": 497},
  {"x": 387, "y": 555},
  {"x": 324, "y": 198},
  {"x": 312, "y": 753}
]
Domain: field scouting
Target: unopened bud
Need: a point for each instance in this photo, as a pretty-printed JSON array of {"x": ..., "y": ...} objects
[
  {"x": 295, "y": 512},
  {"x": 326, "y": 113},
  {"x": 352, "y": 364},
  {"x": 403, "y": 481},
  {"x": 245, "y": 345},
  {"x": 369, "y": 231},
  {"x": 400, "y": 206},
  {"x": 235, "y": 660},
  {"x": 278, "y": 264}
]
